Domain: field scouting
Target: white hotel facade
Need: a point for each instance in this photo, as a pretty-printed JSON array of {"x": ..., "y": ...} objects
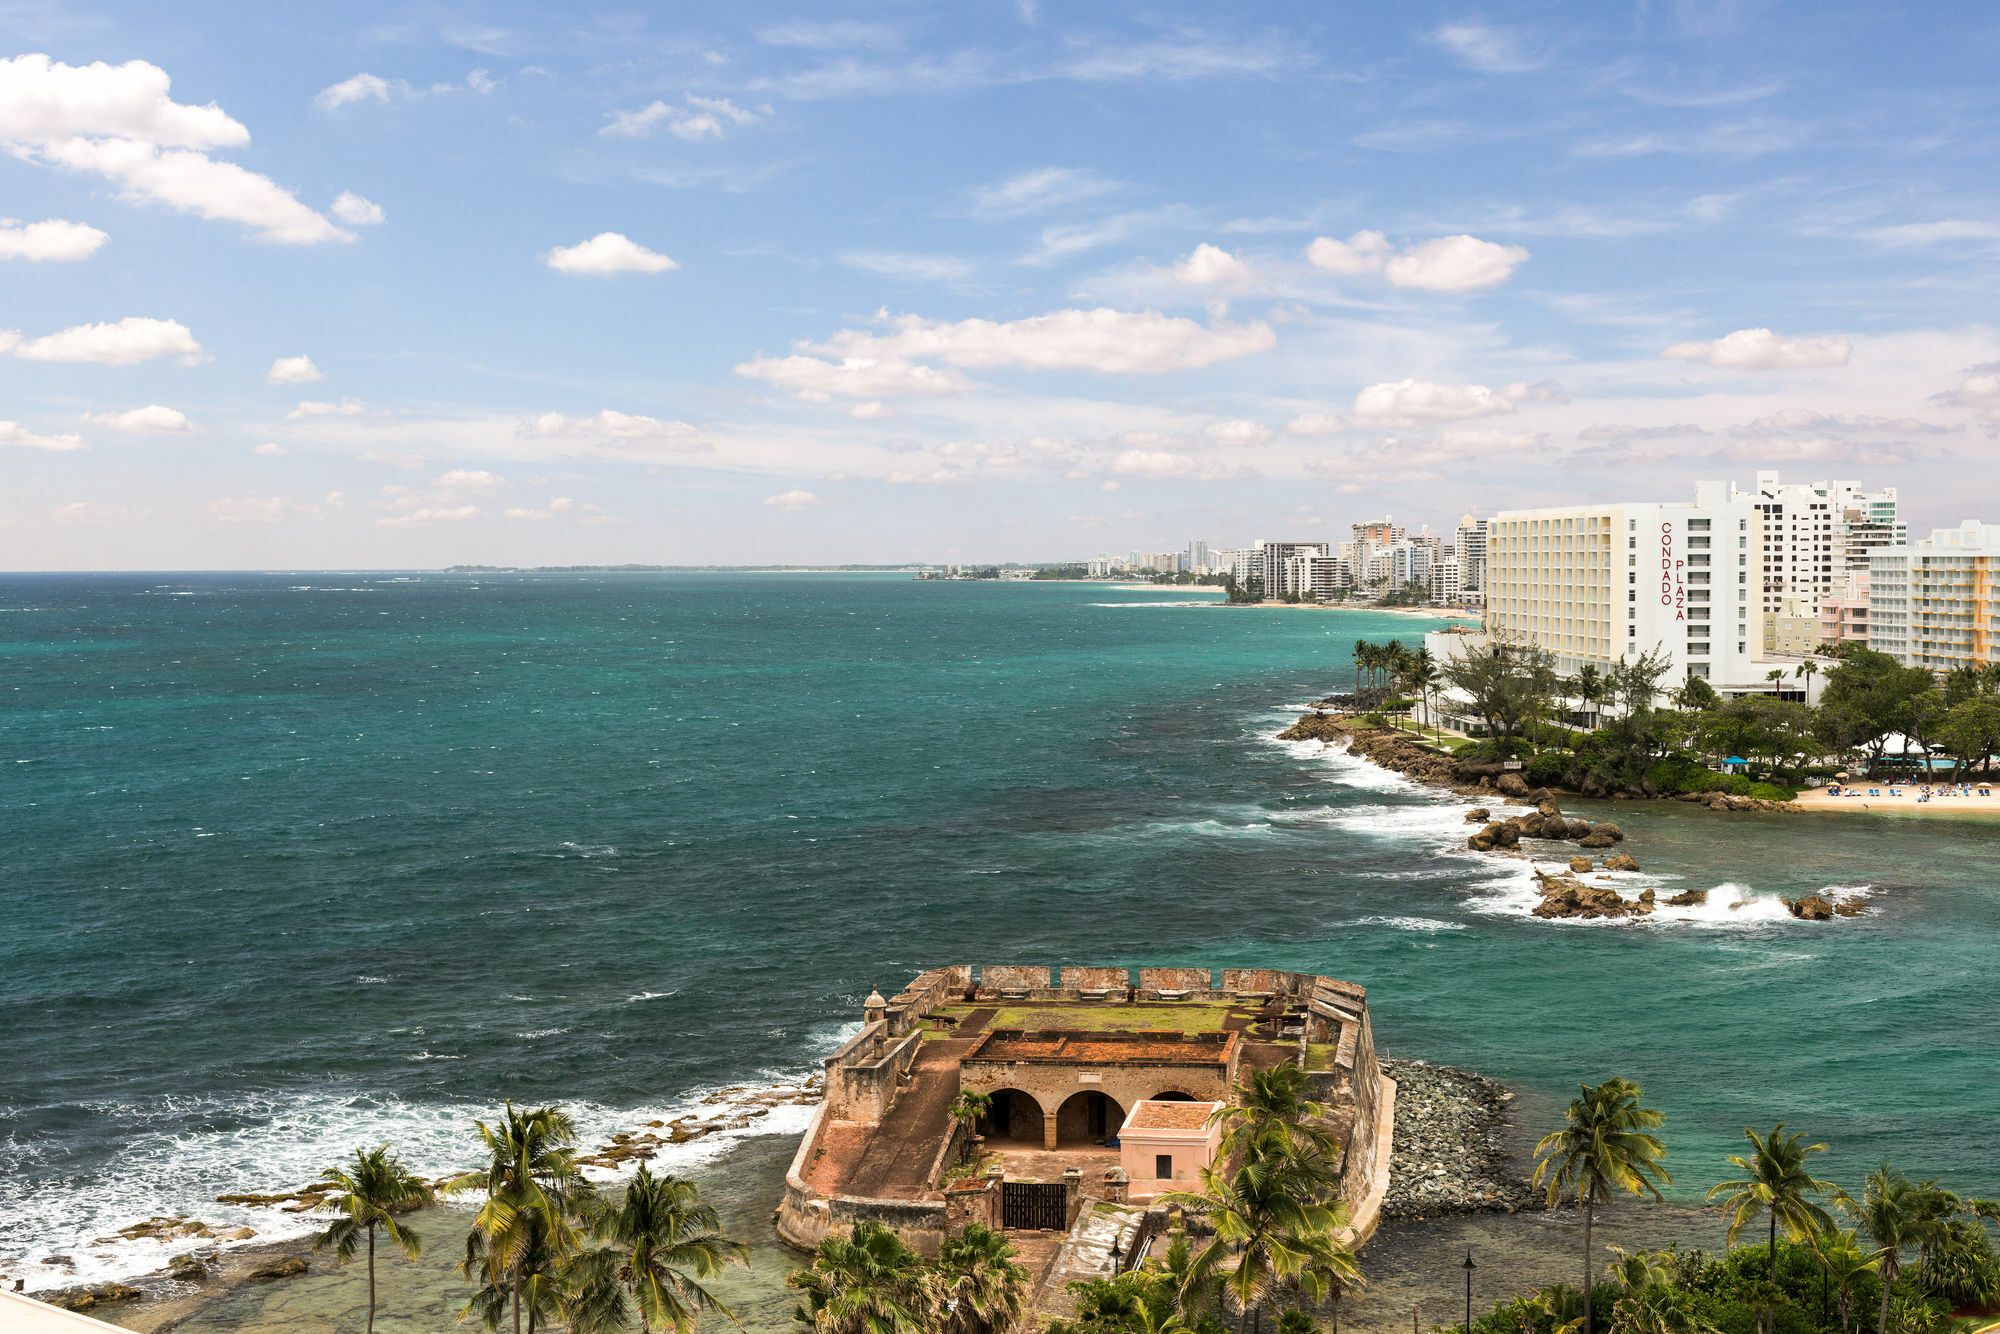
[{"x": 1594, "y": 584}]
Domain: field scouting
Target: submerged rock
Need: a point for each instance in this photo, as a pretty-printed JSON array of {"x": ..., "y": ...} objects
[
  {"x": 283, "y": 1266},
  {"x": 1692, "y": 898},
  {"x": 1621, "y": 861},
  {"x": 1811, "y": 908}
]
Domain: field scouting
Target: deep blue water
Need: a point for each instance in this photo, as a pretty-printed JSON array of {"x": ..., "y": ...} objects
[{"x": 298, "y": 861}]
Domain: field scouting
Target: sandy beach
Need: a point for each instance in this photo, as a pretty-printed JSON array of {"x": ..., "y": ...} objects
[{"x": 1905, "y": 799}]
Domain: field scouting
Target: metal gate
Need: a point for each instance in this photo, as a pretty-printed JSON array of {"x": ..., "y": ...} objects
[{"x": 1034, "y": 1204}]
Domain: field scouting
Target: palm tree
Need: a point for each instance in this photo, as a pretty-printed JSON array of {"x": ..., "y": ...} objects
[
  {"x": 864, "y": 1284},
  {"x": 373, "y": 1190},
  {"x": 1277, "y": 1101},
  {"x": 1588, "y": 686},
  {"x": 1361, "y": 651},
  {"x": 668, "y": 1240},
  {"x": 1297, "y": 1322},
  {"x": 1605, "y": 1144},
  {"x": 1843, "y": 1261},
  {"x": 979, "y": 1282},
  {"x": 966, "y": 1109},
  {"x": 529, "y": 1178},
  {"x": 1807, "y": 669},
  {"x": 1776, "y": 676},
  {"x": 1267, "y": 1215},
  {"x": 1891, "y": 1212},
  {"x": 1422, "y": 677},
  {"x": 1777, "y": 1184}
]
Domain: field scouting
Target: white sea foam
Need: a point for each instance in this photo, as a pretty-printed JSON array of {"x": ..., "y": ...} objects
[
  {"x": 1204, "y": 602},
  {"x": 1411, "y": 923},
  {"x": 651, "y": 995},
  {"x": 278, "y": 1144}
]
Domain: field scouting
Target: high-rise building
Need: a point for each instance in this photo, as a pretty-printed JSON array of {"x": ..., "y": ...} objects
[
  {"x": 1936, "y": 602},
  {"x": 1196, "y": 557},
  {"x": 1811, "y": 536},
  {"x": 1593, "y": 584},
  {"x": 1471, "y": 546},
  {"x": 1280, "y": 574},
  {"x": 1249, "y": 565}
]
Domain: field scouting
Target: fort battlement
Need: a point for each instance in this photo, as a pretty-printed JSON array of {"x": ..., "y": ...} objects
[{"x": 1064, "y": 1053}]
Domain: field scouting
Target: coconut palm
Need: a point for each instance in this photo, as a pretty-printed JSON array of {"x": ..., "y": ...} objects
[
  {"x": 1778, "y": 1186},
  {"x": 1268, "y": 1217},
  {"x": 1843, "y": 1261},
  {"x": 980, "y": 1284},
  {"x": 1361, "y": 661},
  {"x": 1421, "y": 676},
  {"x": 372, "y": 1191},
  {"x": 1892, "y": 1214},
  {"x": 1277, "y": 1101},
  {"x": 1606, "y": 1144},
  {"x": 529, "y": 1180},
  {"x": 668, "y": 1241},
  {"x": 1589, "y": 687},
  {"x": 866, "y": 1283},
  {"x": 1297, "y": 1322}
]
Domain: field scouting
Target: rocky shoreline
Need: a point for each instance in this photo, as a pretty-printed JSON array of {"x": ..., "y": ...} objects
[
  {"x": 1449, "y": 1155},
  {"x": 212, "y": 1267}
]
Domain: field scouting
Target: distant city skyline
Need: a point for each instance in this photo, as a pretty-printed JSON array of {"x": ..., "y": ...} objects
[{"x": 372, "y": 287}]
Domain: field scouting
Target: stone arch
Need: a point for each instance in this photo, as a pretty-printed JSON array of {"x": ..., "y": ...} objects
[
  {"x": 1173, "y": 1095},
  {"x": 1013, "y": 1115},
  {"x": 1089, "y": 1117}
]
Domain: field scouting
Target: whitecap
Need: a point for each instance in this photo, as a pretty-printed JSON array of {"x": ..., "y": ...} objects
[
  {"x": 652, "y": 995},
  {"x": 1411, "y": 923}
]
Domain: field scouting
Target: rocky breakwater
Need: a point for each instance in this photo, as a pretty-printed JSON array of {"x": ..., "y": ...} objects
[
  {"x": 1545, "y": 821},
  {"x": 1396, "y": 751},
  {"x": 1449, "y": 1156}
]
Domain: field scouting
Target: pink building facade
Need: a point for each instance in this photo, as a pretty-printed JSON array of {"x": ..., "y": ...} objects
[
  {"x": 1843, "y": 618},
  {"x": 1164, "y": 1145}
]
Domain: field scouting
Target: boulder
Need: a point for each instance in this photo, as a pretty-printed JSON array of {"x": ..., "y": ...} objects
[
  {"x": 1609, "y": 830},
  {"x": 1691, "y": 898},
  {"x": 282, "y": 1266},
  {"x": 1578, "y": 865},
  {"x": 237, "y": 1234},
  {"x": 1540, "y": 797},
  {"x": 1578, "y": 828},
  {"x": 1478, "y": 815},
  {"x": 1646, "y": 896},
  {"x": 1848, "y": 909},
  {"x": 1811, "y": 908},
  {"x": 1591, "y": 786},
  {"x": 1531, "y": 826},
  {"x": 1621, "y": 862},
  {"x": 1565, "y": 896},
  {"x": 187, "y": 1269},
  {"x": 1547, "y": 810},
  {"x": 1593, "y": 839},
  {"x": 1512, "y": 784},
  {"x": 114, "y": 1294}
]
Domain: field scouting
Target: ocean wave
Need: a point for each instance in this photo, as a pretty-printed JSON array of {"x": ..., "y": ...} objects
[
  {"x": 275, "y": 1144},
  {"x": 1204, "y": 602},
  {"x": 651, "y": 995},
  {"x": 1411, "y": 923}
]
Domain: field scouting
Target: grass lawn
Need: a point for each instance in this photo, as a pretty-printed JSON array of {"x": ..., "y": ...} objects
[{"x": 1099, "y": 1018}]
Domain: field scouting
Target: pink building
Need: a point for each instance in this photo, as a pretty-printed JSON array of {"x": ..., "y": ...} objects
[
  {"x": 1164, "y": 1145},
  {"x": 1843, "y": 619}
]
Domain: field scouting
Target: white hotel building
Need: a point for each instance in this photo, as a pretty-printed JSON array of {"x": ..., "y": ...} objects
[{"x": 1592, "y": 584}]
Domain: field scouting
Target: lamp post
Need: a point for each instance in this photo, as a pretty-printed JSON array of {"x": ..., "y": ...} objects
[{"x": 1468, "y": 1267}]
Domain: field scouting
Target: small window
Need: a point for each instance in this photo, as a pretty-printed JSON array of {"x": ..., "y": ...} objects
[
  {"x": 1163, "y": 1166},
  {"x": 1697, "y": 525}
]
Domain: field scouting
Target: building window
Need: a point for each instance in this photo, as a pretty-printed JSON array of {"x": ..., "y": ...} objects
[{"x": 1163, "y": 1166}]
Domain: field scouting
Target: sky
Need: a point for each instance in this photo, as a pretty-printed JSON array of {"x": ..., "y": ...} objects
[{"x": 362, "y": 286}]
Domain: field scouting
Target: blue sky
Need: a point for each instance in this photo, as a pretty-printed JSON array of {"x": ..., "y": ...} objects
[{"x": 362, "y": 286}]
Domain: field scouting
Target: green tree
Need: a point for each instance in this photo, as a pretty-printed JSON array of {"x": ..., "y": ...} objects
[
  {"x": 1843, "y": 1262},
  {"x": 1510, "y": 686},
  {"x": 1970, "y": 733},
  {"x": 667, "y": 1241},
  {"x": 966, "y": 1109},
  {"x": 1268, "y": 1217},
  {"x": 1777, "y": 1185},
  {"x": 1606, "y": 1144},
  {"x": 371, "y": 1191},
  {"x": 1274, "y": 1111},
  {"x": 980, "y": 1285},
  {"x": 866, "y": 1283},
  {"x": 529, "y": 1178}
]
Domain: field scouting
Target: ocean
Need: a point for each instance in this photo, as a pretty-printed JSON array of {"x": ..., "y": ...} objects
[{"x": 300, "y": 862}]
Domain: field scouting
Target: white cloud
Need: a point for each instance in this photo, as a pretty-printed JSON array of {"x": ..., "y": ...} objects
[
  {"x": 347, "y": 407},
  {"x": 1762, "y": 350},
  {"x": 1316, "y": 423},
  {"x": 469, "y": 479},
  {"x": 1410, "y": 402},
  {"x": 429, "y": 514},
  {"x": 89, "y": 512},
  {"x": 153, "y": 419},
  {"x": 817, "y": 381},
  {"x": 13, "y": 434},
  {"x": 1486, "y": 49},
  {"x": 1454, "y": 264},
  {"x": 917, "y": 268},
  {"x": 1933, "y": 233},
  {"x": 120, "y": 123},
  {"x": 792, "y": 500},
  {"x": 616, "y": 429},
  {"x": 699, "y": 118},
  {"x": 352, "y": 209},
  {"x": 518, "y": 513},
  {"x": 293, "y": 370},
  {"x": 361, "y": 88},
  {"x": 1210, "y": 265},
  {"x": 1152, "y": 463},
  {"x": 872, "y": 410},
  {"x": 1446, "y": 264},
  {"x": 1363, "y": 252},
  {"x": 1237, "y": 433},
  {"x": 1042, "y": 188},
  {"x": 1109, "y": 341},
  {"x": 50, "y": 240},
  {"x": 132, "y": 340},
  {"x": 607, "y": 252},
  {"x": 248, "y": 509},
  {"x": 269, "y": 449}
]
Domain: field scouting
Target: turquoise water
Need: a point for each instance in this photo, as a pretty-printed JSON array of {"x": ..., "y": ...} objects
[{"x": 296, "y": 862}]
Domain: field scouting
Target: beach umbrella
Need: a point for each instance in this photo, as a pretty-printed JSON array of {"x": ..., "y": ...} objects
[
  {"x": 1736, "y": 759},
  {"x": 1842, "y": 775}
]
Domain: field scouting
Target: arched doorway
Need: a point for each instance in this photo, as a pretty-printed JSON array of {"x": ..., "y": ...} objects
[
  {"x": 1012, "y": 1115},
  {"x": 1173, "y": 1095},
  {"x": 1087, "y": 1118}
]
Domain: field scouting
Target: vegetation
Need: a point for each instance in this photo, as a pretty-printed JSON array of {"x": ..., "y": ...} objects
[
  {"x": 372, "y": 1191},
  {"x": 869, "y": 1282},
  {"x": 1606, "y": 1144}
]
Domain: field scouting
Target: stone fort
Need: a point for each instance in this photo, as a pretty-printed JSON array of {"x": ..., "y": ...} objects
[{"x": 1066, "y": 1055}]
